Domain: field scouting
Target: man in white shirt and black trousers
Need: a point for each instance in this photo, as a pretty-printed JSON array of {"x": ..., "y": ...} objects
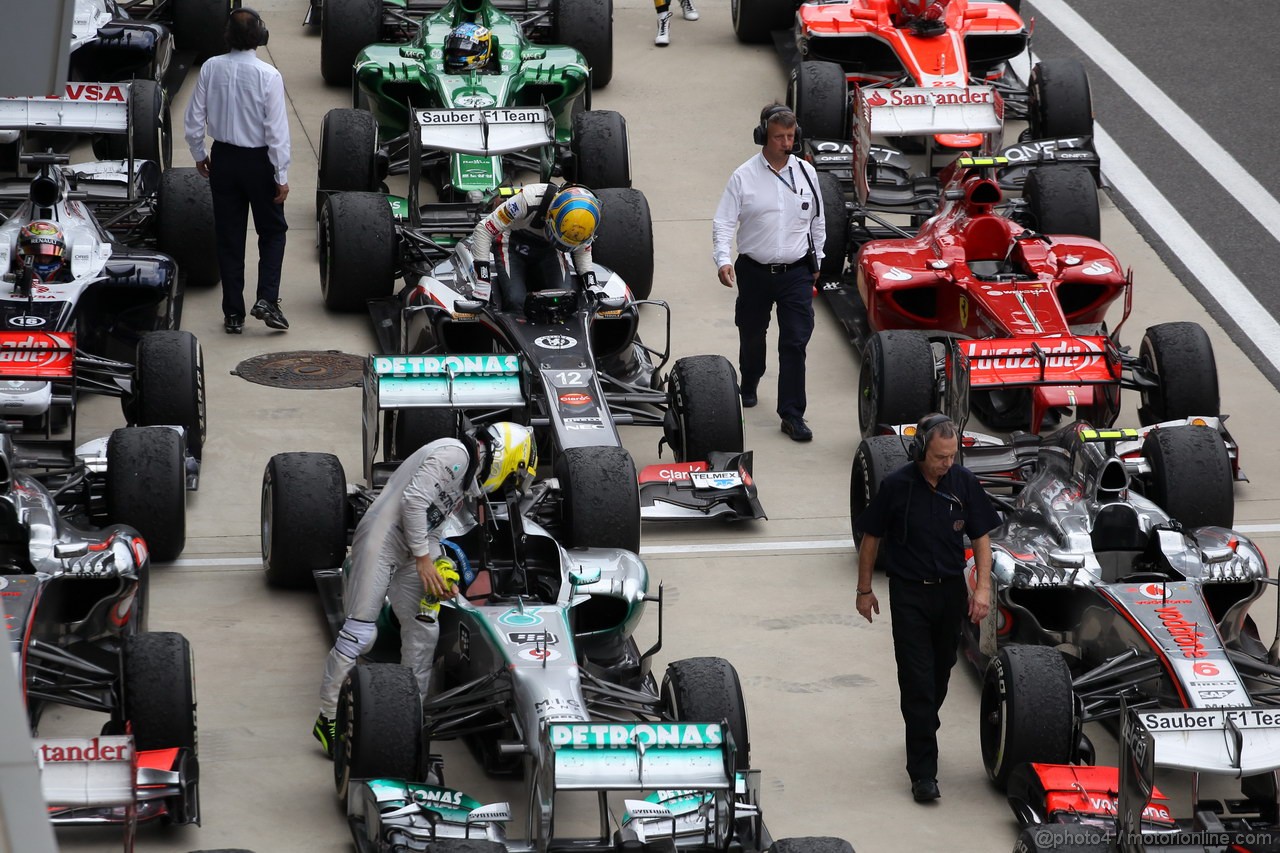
[
  {"x": 772, "y": 202},
  {"x": 239, "y": 100}
]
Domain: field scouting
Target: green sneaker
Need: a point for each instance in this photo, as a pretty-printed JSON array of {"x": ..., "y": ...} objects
[{"x": 326, "y": 731}]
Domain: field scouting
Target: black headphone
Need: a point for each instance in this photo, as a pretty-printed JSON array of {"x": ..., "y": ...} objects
[
  {"x": 258, "y": 33},
  {"x": 920, "y": 441},
  {"x": 761, "y": 131}
]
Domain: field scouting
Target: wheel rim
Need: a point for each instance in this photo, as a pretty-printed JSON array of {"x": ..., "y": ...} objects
[
  {"x": 868, "y": 399},
  {"x": 994, "y": 731},
  {"x": 268, "y": 521}
]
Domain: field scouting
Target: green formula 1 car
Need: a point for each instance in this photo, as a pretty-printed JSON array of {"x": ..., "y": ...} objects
[{"x": 524, "y": 110}]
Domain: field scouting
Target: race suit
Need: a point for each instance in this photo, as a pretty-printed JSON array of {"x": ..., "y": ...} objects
[
  {"x": 513, "y": 232},
  {"x": 405, "y": 521}
]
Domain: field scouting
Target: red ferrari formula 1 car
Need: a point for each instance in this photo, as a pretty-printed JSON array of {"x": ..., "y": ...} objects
[{"x": 993, "y": 306}]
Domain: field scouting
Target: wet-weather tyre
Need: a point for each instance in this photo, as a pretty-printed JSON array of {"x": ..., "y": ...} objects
[
  {"x": 1027, "y": 710},
  {"x": 1059, "y": 103},
  {"x": 703, "y": 395},
  {"x": 149, "y": 123},
  {"x": 199, "y": 25},
  {"x": 707, "y": 690},
  {"x": 169, "y": 385},
  {"x": 346, "y": 28},
  {"x": 896, "y": 380},
  {"x": 600, "y": 498},
  {"x": 159, "y": 690},
  {"x": 1063, "y": 200},
  {"x": 184, "y": 226},
  {"x": 877, "y": 457},
  {"x": 601, "y": 150},
  {"x": 1180, "y": 355},
  {"x": 755, "y": 20},
  {"x": 348, "y": 153},
  {"x": 410, "y": 429},
  {"x": 379, "y": 726},
  {"x": 303, "y": 517},
  {"x": 1191, "y": 476},
  {"x": 146, "y": 487},
  {"x": 624, "y": 240},
  {"x": 819, "y": 94},
  {"x": 358, "y": 248},
  {"x": 588, "y": 26},
  {"x": 836, "y": 217}
]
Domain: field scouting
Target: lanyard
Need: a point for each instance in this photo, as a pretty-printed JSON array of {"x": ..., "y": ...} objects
[{"x": 789, "y": 181}]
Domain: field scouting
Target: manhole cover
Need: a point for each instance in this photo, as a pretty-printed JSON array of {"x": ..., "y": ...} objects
[{"x": 302, "y": 369}]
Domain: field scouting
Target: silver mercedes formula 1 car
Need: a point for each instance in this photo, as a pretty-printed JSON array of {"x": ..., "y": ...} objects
[{"x": 1117, "y": 579}]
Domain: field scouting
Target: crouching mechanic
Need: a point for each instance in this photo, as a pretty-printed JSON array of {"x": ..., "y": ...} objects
[
  {"x": 528, "y": 235},
  {"x": 396, "y": 552}
]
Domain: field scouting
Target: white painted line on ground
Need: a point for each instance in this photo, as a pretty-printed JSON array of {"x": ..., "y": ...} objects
[
  {"x": 1227, "y": 171},
  {"x": 745, "y": 547}
]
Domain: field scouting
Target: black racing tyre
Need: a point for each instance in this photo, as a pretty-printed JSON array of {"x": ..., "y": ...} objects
[
  {"x": 1027, "y": 710},
  {"x": 811, "y": 844},
  {"x": 820, "y": 97},
  {"x": 147, "y": 487},
  {"x": 707, "y": 690},
  {"x": 1191, "y": 475},
  {"x": 184, "y": 226},
  {"x": 199, "y": 25},
  {"x": 1060, "y": 838},
  {"x": 837, "y": 221},
  {"x": 169, "y": 385},
  {"x": 348, "y": 153},
  {"x": 602, "y": 154},
  {"x": 876, "y": 458},
  {"x": 303, "y": 517},
  {"x": 159, "y": 690},
  {"x": 410, "y": 429},
  {"x": 896, "y": 380},
  {"x": 149, "y": 123},
  {"x": 600, "y": 497},
  {"x": 1059, "y": 101},
  {"x": 358, "y": 248},
  {"x": 755, "y": 20},
  {"x": 1186, "y": 373},
  {"x": 624, "y": 240},
  {"x": 588, "y": 26},
  {"x": 1015, "y": 5},
  {"x": 703, "y": 395},
  {"x": 379, "y": 726},
  {"x": 1063, "y": 200},
  {"x": 346, "y": 28}
]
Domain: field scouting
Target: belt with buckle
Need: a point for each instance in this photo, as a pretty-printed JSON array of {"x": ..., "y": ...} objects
[
  {"x": 931, "y": 581},
  {"x": 774, "y": 269}
]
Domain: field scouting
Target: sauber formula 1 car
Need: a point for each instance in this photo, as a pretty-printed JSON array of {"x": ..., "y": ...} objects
[
  {"x": 413, "y": 34},
  {"x": 1117, "y": 577},
  {"x": 1006, "y": 301},
  {"x": 75, "y": 604},
  {"x": 541, "y": 674},
  {"x": 1120, "y": 810}
]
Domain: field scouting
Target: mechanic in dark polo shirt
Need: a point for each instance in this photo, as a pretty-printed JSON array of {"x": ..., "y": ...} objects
[{"x": 919, "y": 518}]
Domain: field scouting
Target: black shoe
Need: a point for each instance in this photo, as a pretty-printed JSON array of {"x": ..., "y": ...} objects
[
  {"x": 749, "y": 398},
  {"x": 797, "y": 429},
  {"x": 233, "y": 323},
  {"x": 269, "y": 313},
  {"x": 925, "y": 790}
]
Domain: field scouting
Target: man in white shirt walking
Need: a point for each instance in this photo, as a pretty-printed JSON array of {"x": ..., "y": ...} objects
[
  {"x": 239, "y": 100},
  {"x": 773, "y": 204}
]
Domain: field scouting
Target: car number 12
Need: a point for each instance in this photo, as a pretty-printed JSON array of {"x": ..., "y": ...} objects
[{"x": 569, "y": 379}]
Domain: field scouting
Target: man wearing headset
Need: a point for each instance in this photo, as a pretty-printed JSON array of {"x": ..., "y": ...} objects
[
  {"x": 397, "y": 556},
  {"x": 772, "y": 203},
  {"x": 919, "y": 520},
  {"x": 239, "y": 100}
]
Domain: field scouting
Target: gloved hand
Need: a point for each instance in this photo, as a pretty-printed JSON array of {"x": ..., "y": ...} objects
[
  {"x": 429, "y": 606},
  {"x": 483, "y": 286}
]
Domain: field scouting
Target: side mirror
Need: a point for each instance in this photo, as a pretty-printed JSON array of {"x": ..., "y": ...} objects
[
  {"x": 70, "y": 550},
  {"x": 467, "y": 306},
  {"x": 583, "y": 575},
  {"x": 611, "y": 303}
]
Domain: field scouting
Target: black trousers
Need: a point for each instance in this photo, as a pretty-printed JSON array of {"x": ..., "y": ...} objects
[
  {"x": 527, "y": 262},
  {"x": 758, "y": 292},
  {"x": 927, "y": 619},
  {"x": 243, "y": 179}
]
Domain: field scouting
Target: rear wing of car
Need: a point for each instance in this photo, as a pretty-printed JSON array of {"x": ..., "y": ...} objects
[
  {"x": 82, "y": 108},
  {"x": 886, "y": 112},
  {"x": 455, "y": 381},
  {"x": 484, "y": 132}
]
